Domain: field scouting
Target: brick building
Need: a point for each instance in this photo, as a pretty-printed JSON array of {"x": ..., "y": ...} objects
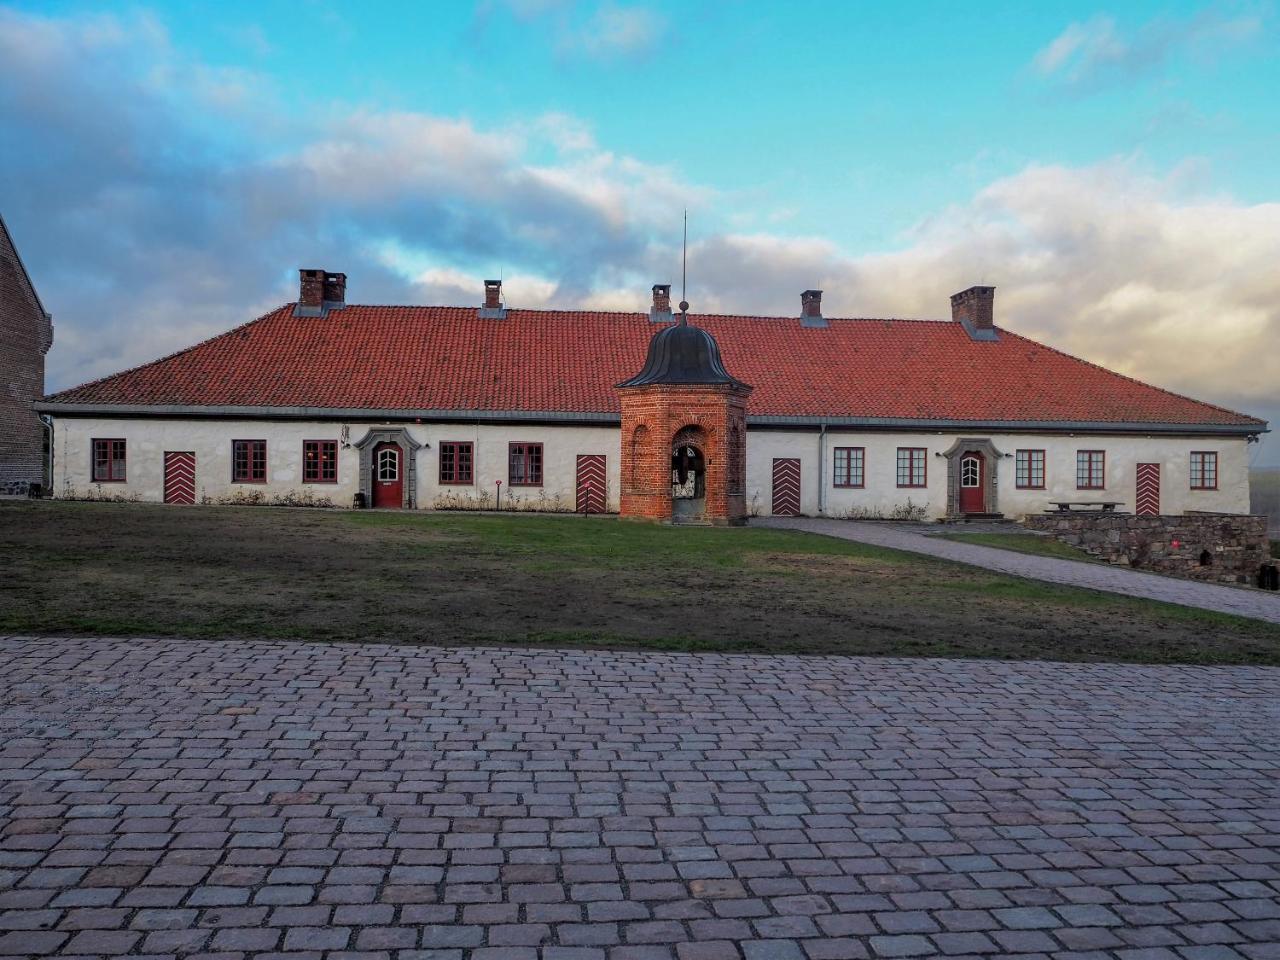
[
  {"x": 663, "y": 415},
  {"x": 26, "y": 333}
]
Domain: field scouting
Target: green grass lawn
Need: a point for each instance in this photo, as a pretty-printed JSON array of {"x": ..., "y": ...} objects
[
  {"x": 1024, "y": 543},
  {"x": 224, "y": 573}
]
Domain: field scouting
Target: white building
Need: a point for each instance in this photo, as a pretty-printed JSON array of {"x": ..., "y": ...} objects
[{"x": 425, "y": 407}]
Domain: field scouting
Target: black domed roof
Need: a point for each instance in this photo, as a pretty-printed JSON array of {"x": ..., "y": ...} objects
[{"x": 682, "y": 354}]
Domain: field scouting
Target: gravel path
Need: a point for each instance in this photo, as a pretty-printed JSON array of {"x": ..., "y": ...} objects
[{"x": 1257, "y": 604}]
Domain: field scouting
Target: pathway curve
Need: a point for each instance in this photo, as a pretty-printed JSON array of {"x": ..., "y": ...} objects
[{"x": 1077, "y": 573}]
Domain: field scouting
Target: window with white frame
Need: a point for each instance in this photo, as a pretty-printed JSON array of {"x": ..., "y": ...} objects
[
  {"x": 1204, "y": 470},
  {"x": 1091, "y": 469},
  {"x": 911, "y": 466},
  {"x": 388, "y": 465},
  {"x": 848, "y": 466},
  {"x": 1029, "y": 469}
]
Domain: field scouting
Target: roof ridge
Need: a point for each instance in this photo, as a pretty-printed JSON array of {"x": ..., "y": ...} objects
[
  {"x": 169, "y": 356},
  {"x": 1125, "y": 376},
  {"x": 637, "y": 314},
  {"x": 26, "y": 276}
]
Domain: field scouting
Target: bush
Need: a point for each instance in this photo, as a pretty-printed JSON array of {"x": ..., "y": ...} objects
[
  {"x": 484, "y": 500},
  {"x": 902, "y": 511},
  {"x": 257, "y": 498},
  {"x": 96, "y": 494}
]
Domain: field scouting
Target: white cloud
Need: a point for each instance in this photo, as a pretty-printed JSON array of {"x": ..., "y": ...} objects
[
  {"x": 143, "y": 240},
  {"x": 618, "y": 31},
  {"x": 1092, "y": 53}
]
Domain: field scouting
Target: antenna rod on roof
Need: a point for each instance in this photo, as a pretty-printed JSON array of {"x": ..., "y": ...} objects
[{"x": 684, "y": 271}]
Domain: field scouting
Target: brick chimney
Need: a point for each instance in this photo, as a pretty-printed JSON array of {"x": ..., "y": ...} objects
[
  {"x": 974, "y": 309},
  {"x": 493, "y": 308},
  {"x": 311, "y": 289},
  {"x": 811, "y": 309},
  {"x": 335, "y": 290},
  {"x": 660, "y": 312}
]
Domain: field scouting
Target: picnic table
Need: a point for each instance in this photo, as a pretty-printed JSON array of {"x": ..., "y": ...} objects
[{"x": 1069, "y": 506}]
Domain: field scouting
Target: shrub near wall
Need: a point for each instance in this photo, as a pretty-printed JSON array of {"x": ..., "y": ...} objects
[{"x": 1227, "y": 548}]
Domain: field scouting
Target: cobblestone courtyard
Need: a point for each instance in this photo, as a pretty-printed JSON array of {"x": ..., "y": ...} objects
[{"x": 175, "y": 797}]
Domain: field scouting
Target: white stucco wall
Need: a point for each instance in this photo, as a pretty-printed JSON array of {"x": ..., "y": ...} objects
[
  {"x": 882, "y": 495},
  {"x": 210, "y": 440}
]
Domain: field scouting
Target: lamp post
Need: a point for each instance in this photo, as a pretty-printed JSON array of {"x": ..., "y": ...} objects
[{"x": 498, "y": 499}]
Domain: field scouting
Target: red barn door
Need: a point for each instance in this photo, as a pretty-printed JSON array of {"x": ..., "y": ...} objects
[
  {"x": 786, "y": 487},
  {"x": 1147, "y": 501},
  {"x": 179, "y": 476},
  {"x": 591, "y": 489}
]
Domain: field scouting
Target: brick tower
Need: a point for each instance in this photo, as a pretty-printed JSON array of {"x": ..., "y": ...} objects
[{"x": 684, "y": 440}]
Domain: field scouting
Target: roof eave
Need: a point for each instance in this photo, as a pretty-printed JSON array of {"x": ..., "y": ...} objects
[{"x": 227, "y": 411}]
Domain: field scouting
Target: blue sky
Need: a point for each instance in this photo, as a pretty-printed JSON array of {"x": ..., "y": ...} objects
[{"x": 1110, "y": 168}]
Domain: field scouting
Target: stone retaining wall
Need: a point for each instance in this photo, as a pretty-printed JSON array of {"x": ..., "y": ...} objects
[{"x": 1222, "y": 547}]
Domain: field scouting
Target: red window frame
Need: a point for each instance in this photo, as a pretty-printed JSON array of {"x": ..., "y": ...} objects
[
  {"x": 246, "y": 468},
  {"x": 319, "y": 461},
  {"x": 844, "y": 457},
  {"x": 457, "y": 462},
  {"x": 105, "y": 453},
  {"x": 1090, "y": 459},
  {"x": 1201, "y": 477},
  {"x": 1024, "y": 469},
  {"x": 528, "y": 458},
  {"x": 915, "y": 457}
]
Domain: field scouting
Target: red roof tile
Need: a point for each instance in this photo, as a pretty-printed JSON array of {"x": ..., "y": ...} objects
[{"x": 446, "y": 358}]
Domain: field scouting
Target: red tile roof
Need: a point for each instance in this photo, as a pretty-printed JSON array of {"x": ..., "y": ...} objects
[{"x": 446, "y": 358}]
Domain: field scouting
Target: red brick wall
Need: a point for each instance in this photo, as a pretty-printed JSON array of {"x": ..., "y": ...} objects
[
  {"x": 652, "y": 416},
  {"x": 25, "y": 336}
]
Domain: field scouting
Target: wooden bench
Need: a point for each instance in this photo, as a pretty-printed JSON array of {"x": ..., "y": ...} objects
[{"x": 1096, "y": 506}]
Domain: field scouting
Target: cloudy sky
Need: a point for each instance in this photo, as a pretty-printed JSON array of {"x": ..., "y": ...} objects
[{"x": 1111, "y": 169}]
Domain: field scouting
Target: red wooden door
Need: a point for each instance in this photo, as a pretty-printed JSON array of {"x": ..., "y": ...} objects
[
  {"x": 388, "y": 475},
  {"x": 179, "y": 476},
  {"x": 786, "y": 487},
  {"x": 972, "y": 467},
  {"x": 1147, "y": 501},
  {"x": 591, "y": 490}
]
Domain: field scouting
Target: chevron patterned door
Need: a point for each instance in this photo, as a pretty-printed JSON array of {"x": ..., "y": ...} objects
[
  {"x": 1147, "y": 502},
  {"x": 591, "y": 489},
  {"x": 179, "y": 476},
  {"x": 786, "y": 487}
]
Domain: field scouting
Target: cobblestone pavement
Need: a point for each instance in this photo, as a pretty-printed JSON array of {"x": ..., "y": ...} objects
[
  {"x": 1077, "y": 573},
  {"x": 247, "y": 799}
]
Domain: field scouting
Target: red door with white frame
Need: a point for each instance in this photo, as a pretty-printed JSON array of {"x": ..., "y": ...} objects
[
  {"x": 786, "y": 487},
  {"x": 179, "y": 476},
  {"x": 591, "y": 483},
  {"x": 388, "y": 475},
  {"x": 973, "y": 466},
  {"x": 1147, "y": 495}
]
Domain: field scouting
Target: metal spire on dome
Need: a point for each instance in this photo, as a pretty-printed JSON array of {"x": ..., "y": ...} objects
[{"x": 684, "y": 272}]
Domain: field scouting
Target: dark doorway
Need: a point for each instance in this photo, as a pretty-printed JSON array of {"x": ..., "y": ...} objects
[{"x": 688, "y": 484}]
